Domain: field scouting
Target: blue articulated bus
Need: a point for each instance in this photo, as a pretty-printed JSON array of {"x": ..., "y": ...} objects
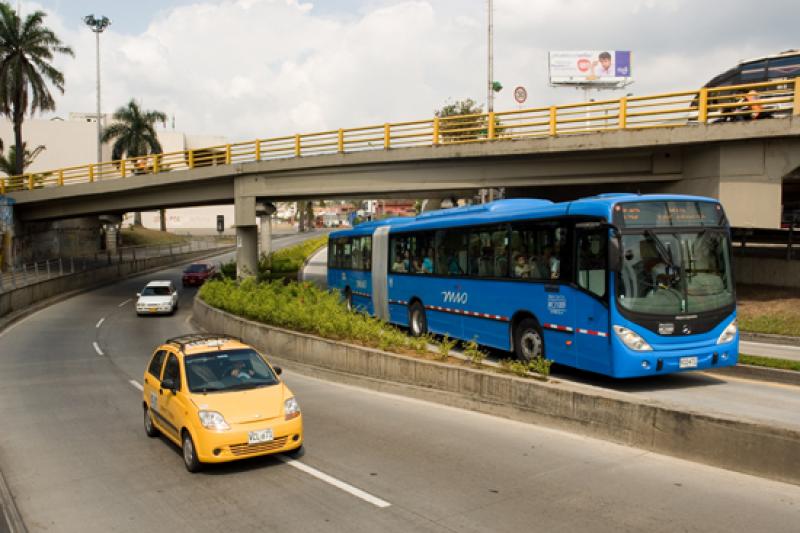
[{"x": 619, "y": 284}]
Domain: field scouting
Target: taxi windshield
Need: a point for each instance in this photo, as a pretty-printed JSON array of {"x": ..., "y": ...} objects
[{"x": 228, "y": 371}]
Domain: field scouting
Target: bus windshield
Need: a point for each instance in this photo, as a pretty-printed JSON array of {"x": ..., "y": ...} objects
[{"x": 669, "y": 273}]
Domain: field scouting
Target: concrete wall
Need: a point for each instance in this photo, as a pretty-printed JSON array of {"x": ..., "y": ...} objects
[
  {"x": 24, "y": 297},
  {"x": 740, "y": 445},
  {"x": 772, "y": 272}
]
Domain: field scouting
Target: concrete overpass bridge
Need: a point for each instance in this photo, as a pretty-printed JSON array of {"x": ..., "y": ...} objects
[{"x": 677, "y": 142}]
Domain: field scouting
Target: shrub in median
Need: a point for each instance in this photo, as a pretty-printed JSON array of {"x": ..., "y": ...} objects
[{"x": 304, "y": 307}]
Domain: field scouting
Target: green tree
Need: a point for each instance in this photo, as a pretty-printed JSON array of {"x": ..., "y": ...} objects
[
  {"x": 27, "y": 49},
  {"x": 464, "y": 121},
  {"x": 134, "y": 135},
  {"x": 8, "y": 161}
]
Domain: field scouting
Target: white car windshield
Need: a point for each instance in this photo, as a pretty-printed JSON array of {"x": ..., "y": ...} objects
[{"x": 156, "y": 291}]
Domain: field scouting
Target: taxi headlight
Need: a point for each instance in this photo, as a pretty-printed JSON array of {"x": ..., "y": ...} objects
[
  {"x": 213, "y": 420},
  {"x": 729, "y": 333},
  {"x": 291, "y": 409},
  {"x": 632, "y": 340}
]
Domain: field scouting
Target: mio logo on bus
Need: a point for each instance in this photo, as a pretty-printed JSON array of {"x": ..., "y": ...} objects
[{"x": 455, "y": 297}]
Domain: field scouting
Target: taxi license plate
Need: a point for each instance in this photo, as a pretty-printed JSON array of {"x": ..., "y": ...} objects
[
  {"x": 688, "y": 362},
  {"x": 257, "y": 437}
]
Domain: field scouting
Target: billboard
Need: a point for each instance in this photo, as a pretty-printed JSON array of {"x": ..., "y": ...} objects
[{"x": 587, "y": 67}]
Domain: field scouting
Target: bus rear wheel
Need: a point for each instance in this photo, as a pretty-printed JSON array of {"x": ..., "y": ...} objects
[
  {"x": 348, "y": 299},
  {"x": 528, "y": 340},
  {"x": 417, "y": 321}
]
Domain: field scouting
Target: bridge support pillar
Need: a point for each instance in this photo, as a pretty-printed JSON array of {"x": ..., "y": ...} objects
[
  {"x": 244, "y": 215},
  {"x": 266, "y": 234}
]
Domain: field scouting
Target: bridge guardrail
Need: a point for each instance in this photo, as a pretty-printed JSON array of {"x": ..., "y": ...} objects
[{"x": 706, "y": 105}]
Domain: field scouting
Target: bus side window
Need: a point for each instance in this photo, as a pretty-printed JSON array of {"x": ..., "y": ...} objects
[{"x": 592, "y": 257}]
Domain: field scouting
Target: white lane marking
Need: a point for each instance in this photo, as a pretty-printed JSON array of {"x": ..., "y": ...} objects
[
  {"x": 787, "y": 347},
  {"x": 97, "y": 348},
  {"x": 136, "y": 384},
  {"x": 126, "y": 301},
  {"x": 358, "y": 493},
  {"x": 100, "y": 322}
]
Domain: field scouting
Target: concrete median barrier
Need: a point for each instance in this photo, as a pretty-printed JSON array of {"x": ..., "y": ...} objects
[{"x": 737, "y": 444}]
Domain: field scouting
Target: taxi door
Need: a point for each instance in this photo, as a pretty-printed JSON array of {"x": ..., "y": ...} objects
[
  {"x": 152, "y": 383},
  {"x": 170, "y": 405}
]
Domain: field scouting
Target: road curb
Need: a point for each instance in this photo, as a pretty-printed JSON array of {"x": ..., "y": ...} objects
[
  {"x": 788, "y": 340},
  {"x": 760, "y": 373},
  {"x": 8, "y": 509},
  {"x": 724, "y": 441}
]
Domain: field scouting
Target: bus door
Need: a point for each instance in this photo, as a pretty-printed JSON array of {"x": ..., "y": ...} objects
[
  {"x": 380, "y": 267},
  {"x": 592, "y": 335}
]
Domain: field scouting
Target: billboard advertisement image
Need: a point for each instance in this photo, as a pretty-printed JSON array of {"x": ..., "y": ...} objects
[{"x": 590, "y": 67}]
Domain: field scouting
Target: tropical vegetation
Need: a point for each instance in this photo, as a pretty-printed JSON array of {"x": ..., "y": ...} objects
[{"x": 27, "y": 50}]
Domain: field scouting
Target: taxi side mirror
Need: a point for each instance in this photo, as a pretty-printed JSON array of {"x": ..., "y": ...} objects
[
  {"x": 169, "y": 384},
  {"x": 278, "y": 370}
]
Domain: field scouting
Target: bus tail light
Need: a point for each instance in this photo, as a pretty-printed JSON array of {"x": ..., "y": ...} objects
[
  {"x": 632, "y": 340},
  {"x": 729, "y": 333}
]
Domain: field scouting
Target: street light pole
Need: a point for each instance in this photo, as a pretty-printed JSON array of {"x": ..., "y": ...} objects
[
  {"x": 490, "y": 81},
  {"x": 98, "y": 26}
]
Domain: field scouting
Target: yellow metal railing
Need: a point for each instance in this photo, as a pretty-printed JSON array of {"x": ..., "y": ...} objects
[{"x": 707, "y": 105}]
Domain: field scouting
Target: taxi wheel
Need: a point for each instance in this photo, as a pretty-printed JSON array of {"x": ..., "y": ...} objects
[
  {"x": 190, "y": 459},
  {"x": 149, "y": 428}
]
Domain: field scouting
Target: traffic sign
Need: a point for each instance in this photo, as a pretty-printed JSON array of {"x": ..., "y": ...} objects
[{"x": 520, "y": 94}]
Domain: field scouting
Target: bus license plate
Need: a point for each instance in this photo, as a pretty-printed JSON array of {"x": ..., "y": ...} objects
[
  {"x": 257, "y": 437},
  {"x": 688, "y": 362}
]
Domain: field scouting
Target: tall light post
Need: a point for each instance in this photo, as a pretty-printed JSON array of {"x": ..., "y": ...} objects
[
  {"x": 98, "y": 25},
  {"x": 490, "y": 81}
]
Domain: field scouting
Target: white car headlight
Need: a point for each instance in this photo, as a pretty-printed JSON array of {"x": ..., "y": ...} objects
[
  {"x": 729, "y": 333},
  {"x": 632, "y": 340},
  {"x": 291, "y": 409},
  {"x": 213, "y": 420}
]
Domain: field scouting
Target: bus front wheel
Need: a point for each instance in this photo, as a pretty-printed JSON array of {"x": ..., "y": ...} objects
[
  {"x": 528, "y": 340},
  {"x": 417, "y": 321}
]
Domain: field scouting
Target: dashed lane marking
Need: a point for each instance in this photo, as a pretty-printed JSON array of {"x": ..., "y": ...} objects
[{"x": 358, "y": 493}]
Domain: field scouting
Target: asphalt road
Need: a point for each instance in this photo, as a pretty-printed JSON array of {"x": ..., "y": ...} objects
[{"x": 75, "y": 456}]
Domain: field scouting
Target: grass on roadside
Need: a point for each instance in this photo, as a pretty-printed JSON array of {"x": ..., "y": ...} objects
[
  {"x": 140, "y": 236},
  {"x": 769, "y": 362},
  {"x": 773, "y": 310}
]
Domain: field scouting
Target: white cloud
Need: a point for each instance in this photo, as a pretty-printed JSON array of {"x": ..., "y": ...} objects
[{"x": 247, "y": 68}]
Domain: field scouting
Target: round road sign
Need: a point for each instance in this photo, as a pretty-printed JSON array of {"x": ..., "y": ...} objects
[{"x": 520, "y": 94}]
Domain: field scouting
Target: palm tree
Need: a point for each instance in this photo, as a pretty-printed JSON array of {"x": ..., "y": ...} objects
[
  {"x": 8, "y": 162},
  {"x": 134, "y": 135},
  {"x": 26, "y": 51}
]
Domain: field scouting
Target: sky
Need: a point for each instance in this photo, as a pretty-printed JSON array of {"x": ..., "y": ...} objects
[{"x": 261, "y": 68}]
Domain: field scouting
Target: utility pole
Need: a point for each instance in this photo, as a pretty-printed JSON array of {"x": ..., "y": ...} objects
[{"x": 98, "y": 26}]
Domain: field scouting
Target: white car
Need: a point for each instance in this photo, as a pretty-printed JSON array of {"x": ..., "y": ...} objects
[{"x": 158, "y": 296}]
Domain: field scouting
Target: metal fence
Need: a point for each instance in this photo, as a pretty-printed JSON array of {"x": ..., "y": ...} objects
[
  {"x": 677, "y": 109},
  {"x": 30, "y": 273}
]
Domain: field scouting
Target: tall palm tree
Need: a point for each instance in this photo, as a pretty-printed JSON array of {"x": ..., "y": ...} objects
[
  {"x": 26, "y": 51},
  {"x": 134, "y": 135}
]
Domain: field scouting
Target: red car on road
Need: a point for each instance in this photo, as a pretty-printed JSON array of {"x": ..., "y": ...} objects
[{"x": 198, "y": 273}]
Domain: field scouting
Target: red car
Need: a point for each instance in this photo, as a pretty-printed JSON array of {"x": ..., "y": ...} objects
[{"x": 198, "y": 273}]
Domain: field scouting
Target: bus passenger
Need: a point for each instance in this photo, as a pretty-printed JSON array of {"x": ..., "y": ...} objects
[
  {"x": 400, "y": 264},
  {"x": 427, "y": 262},
  {"x": 522, "y": 269}
]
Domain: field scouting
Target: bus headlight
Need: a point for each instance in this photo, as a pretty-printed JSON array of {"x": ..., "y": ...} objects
[
  {"x": 632, "y": 340},
  {"x": 729, "y": 333}
]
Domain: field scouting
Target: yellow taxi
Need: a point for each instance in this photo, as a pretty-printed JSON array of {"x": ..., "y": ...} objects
[{"x": 219, "y": 400}]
